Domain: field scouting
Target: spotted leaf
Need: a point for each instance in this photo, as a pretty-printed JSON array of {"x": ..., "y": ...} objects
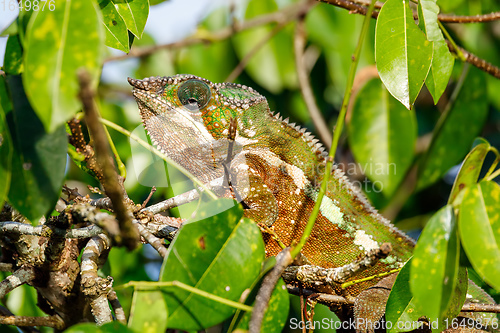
[{"x": 479, "y": 225}]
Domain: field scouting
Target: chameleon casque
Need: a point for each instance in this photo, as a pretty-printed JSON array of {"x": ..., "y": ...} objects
[{"x": 276, "y": 168}]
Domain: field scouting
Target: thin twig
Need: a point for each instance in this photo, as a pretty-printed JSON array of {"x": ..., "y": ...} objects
[
  {"x": 164, "y": 226},
  {"x": 283, "y": 259},
  {"x": 103, "y": 203},
  {"x": 445, "y": 18},
  {"x": 155, "y": 242},
  {"x": 25, "y": 329},
  {"x": 322, "y": 298},
  {"x": 6, "y": 267},
  {"x": 478, "y": 62},
  {"x": 474, "y": 307},
  {"x": 336, "y": 134},
  {"x": 351, "y": 6},
  {"x": 50, "y": 321},
  {"x": 481, "y": 18},
  {"x": 42, "y": 230},
  {"x": 117, "y": 307},
  {"x": 246, "y": 59},
  {"x": 287, "y": 14},
  {"x": 153, "y": 190},
  {"x": 305, "y": 87},
  {"x": 176, "y": 201},
  {"x": 469, "y": 57},
  {"x": 114, "y": 191},
  {"x": 21, "y": 276}
]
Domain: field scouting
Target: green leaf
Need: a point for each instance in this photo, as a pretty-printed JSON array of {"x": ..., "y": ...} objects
[
  {"x": 39, "y": 158},
  {"x": 402, "y": 313},
  {"x": 435, "y": 259},
  {"x": 428, "y": 12},
  {"x": 442, "y": 60},
  {"x": 148, "y": 313},
  {"x": 116, "y": 29},
  {"x": 402, "y": 53},
  {"x": 112, "y": 327},
  {"x": 441, "y": 68},
  {"x": 400, "y": 309},
  {"x": 22, "y": 24},
  {"x": 469, "y": 171},
  {"x": 5, "y": 145},
  {"x": 60, "y": 42},
  {"x": 456, "y": 129},
  {"x": 134, "y": 13},
  {"x": 382, "y": 135},
  {"x": 458, "y": 297},
  {"x": 13, "y": 61},
  {"x": 479, "y": 226},
  {"x": 220, "y": 255}
]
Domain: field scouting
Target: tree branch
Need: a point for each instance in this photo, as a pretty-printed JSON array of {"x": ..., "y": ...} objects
[
  {"x": 283, "y": 259},
  {"x": 474, "y": 307},
  {"x": 117, "y": 307},
  {"x": 110, "y": 181},
  {"x": 155, "y": 242},
  {"x": 469, "y": 57},
  {"x": 445, "y": 18},
  {"x": 94, "y": 287},
  {"x": 244, "y": 61},
  {"x": 43, "y": 230},
  {"x": 477, "y": 62},
  {"x": 21, "y": 276},
  {"x": 285, "y": 15},
  {"x": 50, "y": 321},
  {"x": 324, "y": 132},
  {"x": 322, "y": 298}
]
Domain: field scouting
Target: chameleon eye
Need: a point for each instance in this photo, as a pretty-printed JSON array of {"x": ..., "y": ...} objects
[{"x": 194, "y": 94}]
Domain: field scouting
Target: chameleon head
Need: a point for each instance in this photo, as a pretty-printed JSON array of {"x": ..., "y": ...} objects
[{"x": 187, "y": 116}]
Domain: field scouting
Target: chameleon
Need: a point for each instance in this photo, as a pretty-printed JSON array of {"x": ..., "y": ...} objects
[{"x": 276, "y": 168}]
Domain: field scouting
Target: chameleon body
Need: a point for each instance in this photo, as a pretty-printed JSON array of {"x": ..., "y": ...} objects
[{"x": 276, "y": 168}]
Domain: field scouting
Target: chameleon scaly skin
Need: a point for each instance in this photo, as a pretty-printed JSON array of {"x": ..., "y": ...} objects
[{"x": 276, "y": 166}]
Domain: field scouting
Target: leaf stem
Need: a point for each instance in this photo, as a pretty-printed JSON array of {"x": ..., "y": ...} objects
[
  {"x": 119, "y": 164},
  {"x": 160, "y": 155},
  {"x": 338, "y": 130},
  {"x": 459, "y": 52},
  {"x": 146, "y": 285},
  {"x": 490, "y": 175}
]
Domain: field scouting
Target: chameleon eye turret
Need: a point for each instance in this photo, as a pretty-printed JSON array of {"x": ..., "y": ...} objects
[{"x": 194, "y": 94}]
